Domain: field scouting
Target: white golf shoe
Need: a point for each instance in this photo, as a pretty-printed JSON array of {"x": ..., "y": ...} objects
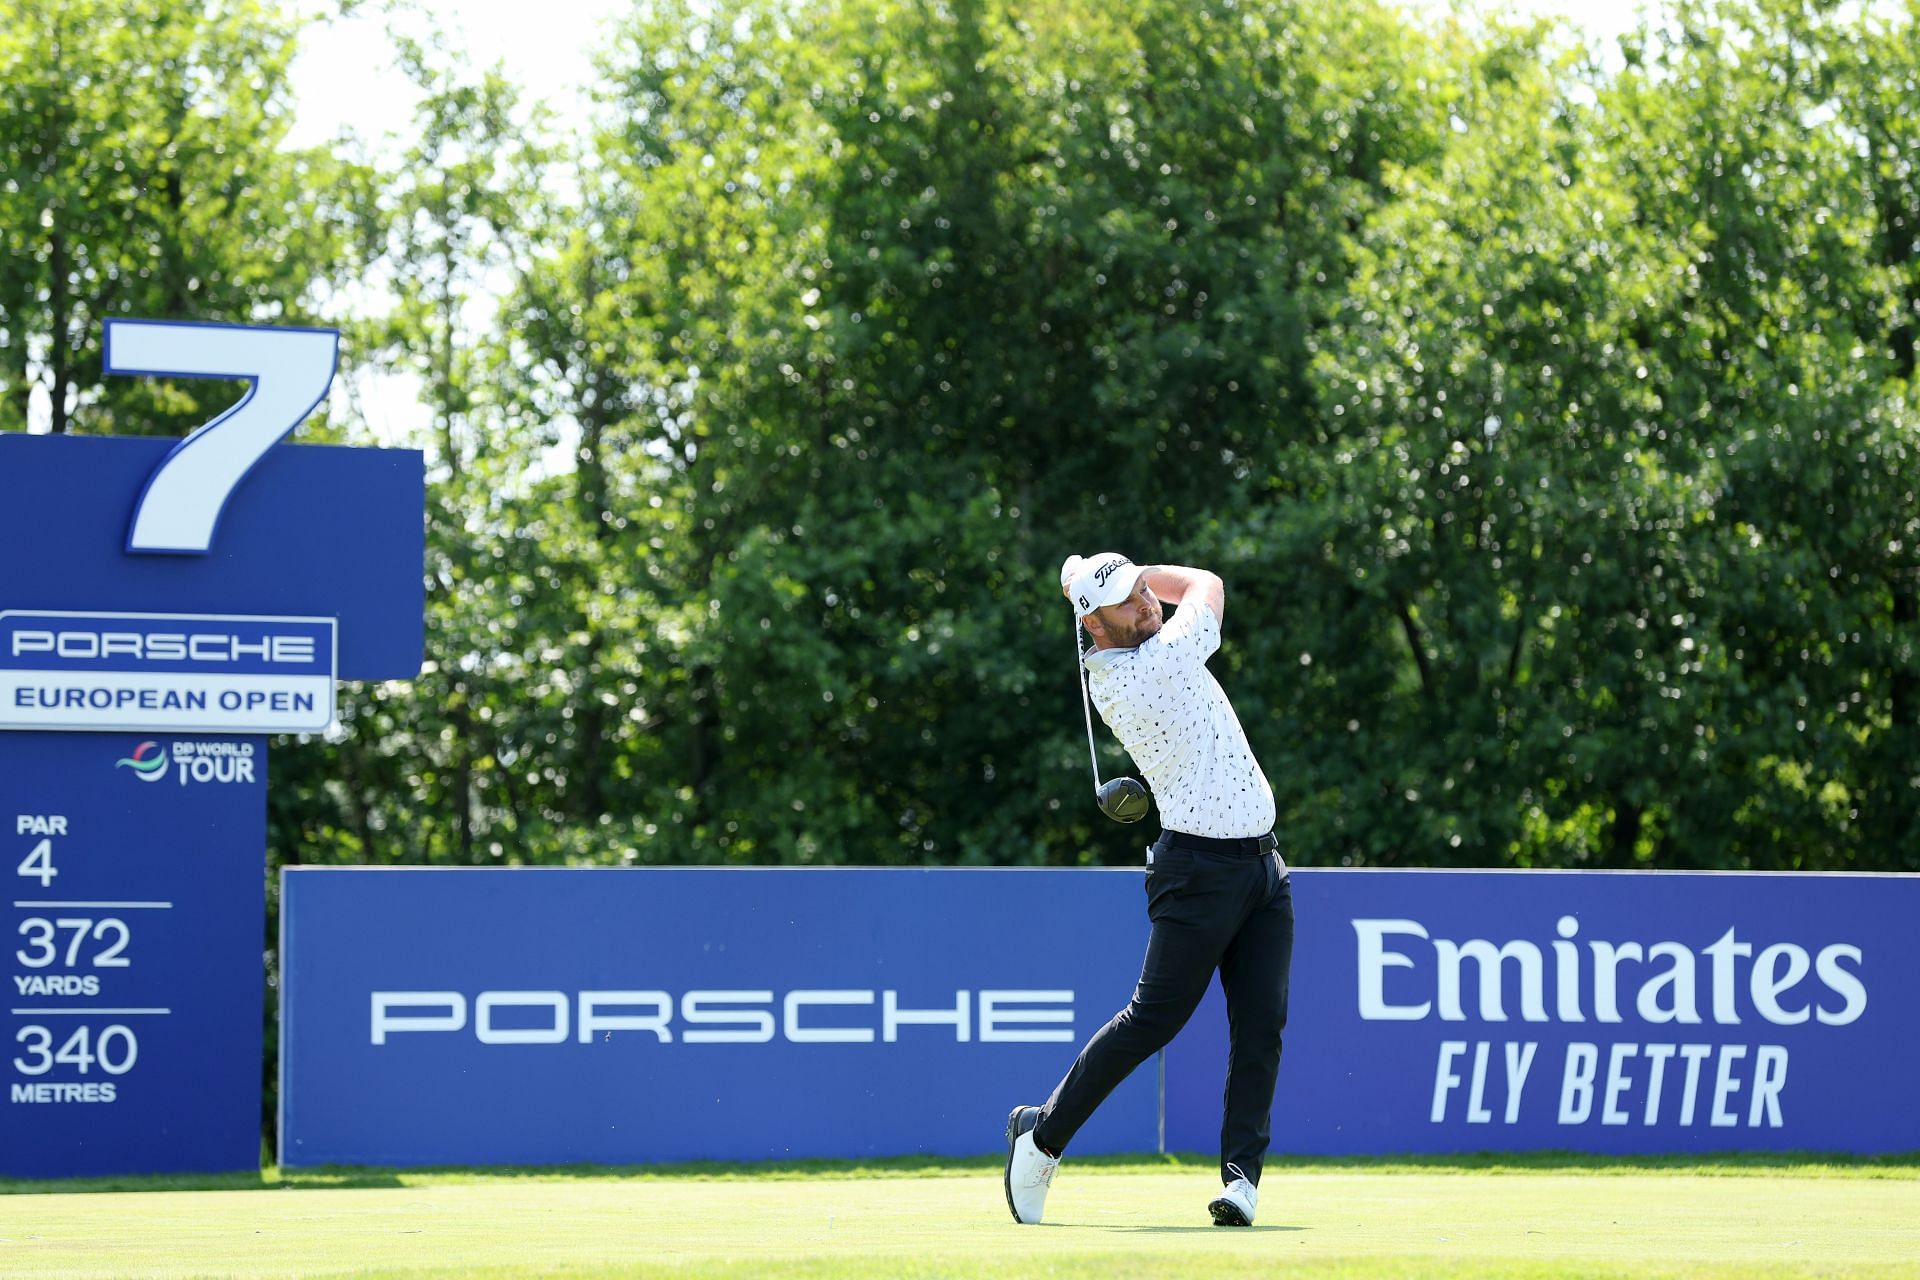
[
  {"x": 1029, "y": 1169},
  {"x": 1234, "y": 1206}
]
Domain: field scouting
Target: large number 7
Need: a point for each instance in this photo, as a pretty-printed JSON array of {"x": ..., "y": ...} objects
[{"x": 289, "y": 369}]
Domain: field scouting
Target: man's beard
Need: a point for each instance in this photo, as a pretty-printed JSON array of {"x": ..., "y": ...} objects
[{"x": 1135, "y": 633}]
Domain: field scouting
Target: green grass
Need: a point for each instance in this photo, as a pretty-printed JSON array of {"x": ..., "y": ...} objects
[{"x": 1110, "y": 1218}]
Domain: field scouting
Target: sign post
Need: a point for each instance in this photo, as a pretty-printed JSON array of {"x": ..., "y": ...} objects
[{"x": 163, "y": 606}]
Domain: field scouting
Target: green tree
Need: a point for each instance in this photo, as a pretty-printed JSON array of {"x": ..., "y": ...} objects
[
  {"x": 413, "y": 775},
  {"x": 994, "y": 285},
  {"x": 1625, "y": 438},
  {"x": 144, "y": 176}
]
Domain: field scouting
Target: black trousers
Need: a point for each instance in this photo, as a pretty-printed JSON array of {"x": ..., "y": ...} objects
[{"x": 1210, "y": 910}]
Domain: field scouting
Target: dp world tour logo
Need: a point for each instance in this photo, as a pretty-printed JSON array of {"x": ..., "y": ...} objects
[{"x": 148, "y": 762}]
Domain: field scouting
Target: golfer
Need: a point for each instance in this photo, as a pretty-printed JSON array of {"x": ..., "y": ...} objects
[{"x": 1217, "y": 891}]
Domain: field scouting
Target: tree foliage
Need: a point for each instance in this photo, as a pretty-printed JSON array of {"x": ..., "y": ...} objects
[
  {"x": 1548, "y": 410},
  {"x": 142, "y": 173}
]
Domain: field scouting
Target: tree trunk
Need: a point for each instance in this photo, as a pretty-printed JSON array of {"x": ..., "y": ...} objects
[
  {"x": 699, "y": 748},
  {"x": 591, "y": 712},
  {"x": 1624, "y": 836},
  {"x": 461, "y": 790},
  {"x": 58, "y": 304},
  {"x": 1411, "y": 629}
]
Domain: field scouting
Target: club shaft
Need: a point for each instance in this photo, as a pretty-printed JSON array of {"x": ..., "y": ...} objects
[{"x": 1086, "y": 704}]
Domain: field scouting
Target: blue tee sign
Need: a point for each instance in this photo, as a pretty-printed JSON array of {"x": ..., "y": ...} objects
[
  {"x": 132, "y": 1025},
  {"x": 172, "y": 601}
]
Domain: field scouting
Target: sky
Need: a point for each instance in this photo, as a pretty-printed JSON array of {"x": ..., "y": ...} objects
[
  {"x": 543, "y": 47},
  {"x": 343, "y": 79},
  {"x": 548, "y": 56}
]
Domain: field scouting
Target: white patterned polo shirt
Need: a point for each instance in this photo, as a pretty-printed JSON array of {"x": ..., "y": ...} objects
[{"x": 1175, "y": 721}]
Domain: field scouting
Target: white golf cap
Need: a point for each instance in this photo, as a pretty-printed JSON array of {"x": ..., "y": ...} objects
[{"x": 1101, "y": 580}]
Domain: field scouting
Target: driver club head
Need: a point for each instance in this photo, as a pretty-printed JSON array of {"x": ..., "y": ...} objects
[{"x": 1124, "y": 800}]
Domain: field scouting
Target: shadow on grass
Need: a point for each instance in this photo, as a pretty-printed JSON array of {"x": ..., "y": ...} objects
[
  {"x": 352, "y": 1177},
  {"x": 266, "y": 1180},
  {"x": 1205, "y": 1231}
]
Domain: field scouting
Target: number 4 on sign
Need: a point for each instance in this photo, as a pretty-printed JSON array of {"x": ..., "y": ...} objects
[
  {"x": 38, "y": 864},
  {"x": 289, "y": 371}
]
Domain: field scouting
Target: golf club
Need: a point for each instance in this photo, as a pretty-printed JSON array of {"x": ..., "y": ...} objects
[{"x": 1122, "y": 799}]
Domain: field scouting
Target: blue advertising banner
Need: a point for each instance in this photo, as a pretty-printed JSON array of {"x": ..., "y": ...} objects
[
  {"x": 653, "y": 1015},
  {"x": 136, "y": 888},
  {"x": 1623, "y": 1012},
  {"x": 546, "y": 1016}
]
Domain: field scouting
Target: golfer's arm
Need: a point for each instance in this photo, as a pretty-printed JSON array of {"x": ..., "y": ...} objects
[{"x": 1174, "y": 583}]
